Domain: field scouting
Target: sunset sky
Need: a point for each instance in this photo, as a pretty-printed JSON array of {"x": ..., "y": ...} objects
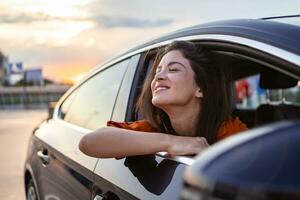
[{"x": 69, "y": 37}]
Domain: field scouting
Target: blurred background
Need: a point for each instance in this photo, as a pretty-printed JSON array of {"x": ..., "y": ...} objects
[{"x": 48, "y": 45}]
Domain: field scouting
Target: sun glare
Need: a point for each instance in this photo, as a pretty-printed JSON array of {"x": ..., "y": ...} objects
[
  {"x": 58, "y": 8},
  {"x": 77, "y": 78}
]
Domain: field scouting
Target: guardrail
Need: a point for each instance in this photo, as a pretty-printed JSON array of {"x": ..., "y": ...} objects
[{"x": 31, "y": 96}]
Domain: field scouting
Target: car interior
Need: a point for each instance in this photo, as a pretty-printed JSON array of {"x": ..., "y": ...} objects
[
  {"x": 275, "y": 96},
  {"x": 270, "y": 110}
]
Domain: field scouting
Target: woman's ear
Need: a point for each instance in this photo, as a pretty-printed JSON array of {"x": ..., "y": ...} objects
[{"x": 199, "y": 93}]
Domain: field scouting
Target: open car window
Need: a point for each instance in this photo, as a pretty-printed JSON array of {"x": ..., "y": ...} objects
[{"x": 253, "y": 104}]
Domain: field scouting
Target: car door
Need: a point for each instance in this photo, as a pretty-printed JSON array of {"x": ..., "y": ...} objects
[
  {"x": 137, "y": 177},
  {"x": 63, "y": 171}
]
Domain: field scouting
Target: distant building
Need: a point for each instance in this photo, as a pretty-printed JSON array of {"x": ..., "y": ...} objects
[
  {"x": 10, "y": 73},
  {"x": 13, "y": 73},
  {"x": 34, "y": 76},
  {"x": 1, "y": 69},
  {"x": 30, "y": 96},
  {"x": 4, "y": 69}
]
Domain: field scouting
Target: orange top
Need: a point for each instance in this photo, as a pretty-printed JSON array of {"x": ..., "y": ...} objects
[{"x": 227, "y": 129}]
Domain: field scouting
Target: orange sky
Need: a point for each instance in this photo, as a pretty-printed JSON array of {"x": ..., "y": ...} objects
[{"x": 68, "y": 73}]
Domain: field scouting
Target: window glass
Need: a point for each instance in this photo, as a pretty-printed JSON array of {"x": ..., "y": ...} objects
[
  {"x": 249, "y": 95},
  {"x": 67, "y": 104},
  {"x": 91, "y": 106}
]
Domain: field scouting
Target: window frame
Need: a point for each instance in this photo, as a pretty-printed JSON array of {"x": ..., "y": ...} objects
[
  {"x": 248, "y": 53},
  {"x": 58, "y": 114}
]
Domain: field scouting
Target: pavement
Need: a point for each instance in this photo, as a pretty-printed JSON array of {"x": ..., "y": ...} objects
[{"x": 16, "y": 127}]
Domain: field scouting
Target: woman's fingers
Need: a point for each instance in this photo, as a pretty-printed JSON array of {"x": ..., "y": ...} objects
[
  {"x": 187, "y": 146},
  {"x": 203, "y": 141}
]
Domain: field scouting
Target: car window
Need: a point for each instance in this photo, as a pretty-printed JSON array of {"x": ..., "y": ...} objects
[
  {"x": 67, "y": 104},
  {"x": 92, "y": 104},
  {"x": 249, "y": 95},
  {"x": 143, "y": 71}
]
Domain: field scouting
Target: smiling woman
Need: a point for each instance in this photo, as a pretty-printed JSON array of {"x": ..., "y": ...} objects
[
  {"x": 179, "y": 98},
  {"x": 174, "y": 74}
]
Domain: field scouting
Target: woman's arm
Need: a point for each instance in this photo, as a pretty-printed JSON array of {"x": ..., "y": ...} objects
[{"x": 110, "y": 142}]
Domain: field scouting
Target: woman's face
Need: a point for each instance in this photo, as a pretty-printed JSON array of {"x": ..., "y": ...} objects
[{"x": 174, "y": 83}]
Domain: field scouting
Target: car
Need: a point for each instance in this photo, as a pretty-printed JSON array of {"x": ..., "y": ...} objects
[
  {"x": 262, "y": 165},
  {"x": 254, "y": 51}
]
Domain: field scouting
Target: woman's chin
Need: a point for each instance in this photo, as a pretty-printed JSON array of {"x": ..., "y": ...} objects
[{"x": 159, "y": 103}]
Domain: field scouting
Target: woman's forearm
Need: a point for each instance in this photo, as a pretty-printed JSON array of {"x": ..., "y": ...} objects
[
  {"x": 112, "y": 142},
  {"x": 117, "y": 143}
]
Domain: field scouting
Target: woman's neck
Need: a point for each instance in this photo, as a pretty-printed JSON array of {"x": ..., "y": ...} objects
[{"x": 184, "y": 119}]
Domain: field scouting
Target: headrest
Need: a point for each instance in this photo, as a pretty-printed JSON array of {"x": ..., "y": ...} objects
[{"x": 271, "y": 79}]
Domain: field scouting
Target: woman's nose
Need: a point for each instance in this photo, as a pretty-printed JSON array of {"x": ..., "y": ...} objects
[{"x": 161, "y": 75}]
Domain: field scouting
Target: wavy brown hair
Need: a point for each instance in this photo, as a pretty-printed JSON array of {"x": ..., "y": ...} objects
[{"x": 216, "y": 101}]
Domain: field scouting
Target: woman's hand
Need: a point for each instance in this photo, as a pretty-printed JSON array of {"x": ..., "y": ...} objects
[{"x": 181, "y": 145}]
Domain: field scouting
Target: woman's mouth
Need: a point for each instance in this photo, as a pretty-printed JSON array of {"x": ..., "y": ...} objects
[{"x": 161, "y": 88}]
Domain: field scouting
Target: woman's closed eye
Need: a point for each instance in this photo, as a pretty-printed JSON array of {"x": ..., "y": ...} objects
[
  {"x": 169, "y": 69},
  {"x": 173, "y": 69}
]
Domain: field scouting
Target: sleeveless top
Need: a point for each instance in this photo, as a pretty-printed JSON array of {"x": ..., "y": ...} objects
[{"x": 228, "y": 128}]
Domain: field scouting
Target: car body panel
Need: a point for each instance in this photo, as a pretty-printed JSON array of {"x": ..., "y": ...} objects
[
  {"x": 121, "y": 105},
  {"x": 144, "y": 177},
  {"x": 63, "y": 168}
]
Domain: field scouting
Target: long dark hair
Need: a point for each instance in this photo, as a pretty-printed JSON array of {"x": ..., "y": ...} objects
[{"x": 216, "y": 103}]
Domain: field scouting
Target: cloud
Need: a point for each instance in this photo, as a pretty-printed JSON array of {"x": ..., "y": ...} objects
[
  {"x": 113, "y": 22},
  {"x": 26, "y": 18},
  {"x": 193, "y": 11},
  {"x": 104, "y": 21}
]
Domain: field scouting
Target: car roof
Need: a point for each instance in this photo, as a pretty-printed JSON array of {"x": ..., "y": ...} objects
[{"x": 278, "y": 34}]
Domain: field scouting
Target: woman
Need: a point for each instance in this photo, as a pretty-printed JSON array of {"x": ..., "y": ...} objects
[{"x": 186, "y": 106}]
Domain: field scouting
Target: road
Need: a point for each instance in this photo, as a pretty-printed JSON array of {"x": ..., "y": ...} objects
[{"x": 15, "y": 130}]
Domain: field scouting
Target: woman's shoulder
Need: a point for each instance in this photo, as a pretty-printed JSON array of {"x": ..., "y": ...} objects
[
  {"x": 140, "y": 125},
  {"x": 231, "y": 127}
]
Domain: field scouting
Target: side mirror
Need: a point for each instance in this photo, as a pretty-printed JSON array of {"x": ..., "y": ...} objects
[
  {"x": 260, "y": 164},
  {"x": 51, "y": 107}
]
